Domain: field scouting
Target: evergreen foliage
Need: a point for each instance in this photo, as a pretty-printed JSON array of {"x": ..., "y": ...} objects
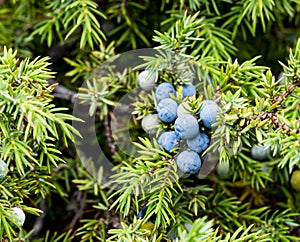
[{"x": 235, "y": 50}]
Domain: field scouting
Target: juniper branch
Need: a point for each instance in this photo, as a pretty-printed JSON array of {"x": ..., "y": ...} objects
[
  {"x": 271, "y": 114},
  {"x": 62, "y": 92}
]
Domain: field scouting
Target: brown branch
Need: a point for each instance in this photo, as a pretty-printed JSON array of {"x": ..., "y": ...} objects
[
  {"x": 272, "y": 116},
  {"x": 77, "y": 205},
  {"x": 39, "y": 223},
  {"x": 62, "y": 92},
  {"x": 284, "y": 95},
  {"x": 108, "y": 134}
]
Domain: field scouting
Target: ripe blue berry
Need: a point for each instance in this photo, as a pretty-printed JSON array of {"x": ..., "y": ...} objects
[
  {"x": 167, "y": 110},
  {"x": 150, "y": 123},
  {"x": 208, "y": 113},
  {"x": 164, "y": 90},
  {"x": 184, "y": 108},
  {"x": 199, "y": 143},
  {"x": 146, "y": 80},
  {"x": 142, "y": 214},
  {"x": 168, "y": 140},
  {"x": 188, "y": 162},
  {"x": 186, "y": 126},
  {"x": 188, "y": 90},
  {"x": 260, "y": 152},
  {"x": 3, "y": 169},
  {"x": 19, "y": 215}
]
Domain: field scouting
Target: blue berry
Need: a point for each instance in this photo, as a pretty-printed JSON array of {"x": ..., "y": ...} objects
[
  {"x": 199, "y": 143},
  {"x": 150, "y": 123},
  {"x": 208, "y": 113},
  {"x": 146, "y": 80},
  {"x": 168, "y": 140},
  {"x": 164, "y": 90},
  {"x": 186, "y": 126},
  {"x": 3, "y": 169},
  {"x": 188, "y": 162},
  {"x": 167, "y": 110},
  {"x": 142, "y": 214},
  {"x": 184, "y": 108},
  {"x": 188, "y": 90}
]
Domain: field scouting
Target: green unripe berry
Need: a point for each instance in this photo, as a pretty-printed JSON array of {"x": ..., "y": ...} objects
[
  {"x": 223, "y": 169},
  {"x": 184, "y": 108},
  {"x": 188, "y": 226},
  {"x": 19, "y": 215},
  {"x": 282, "y": 78},
  {"x": 261, "y": 152},
  {"x": 147, "y": 226},
  {"x": 147, "y": 80},
  {"x": 3, "y": 169},
  {"x": 150, "y": 123},
  {"x": 295, "y": 180}
]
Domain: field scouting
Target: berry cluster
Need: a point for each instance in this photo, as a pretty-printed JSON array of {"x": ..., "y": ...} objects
[{"x": 188, "y": 129}]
